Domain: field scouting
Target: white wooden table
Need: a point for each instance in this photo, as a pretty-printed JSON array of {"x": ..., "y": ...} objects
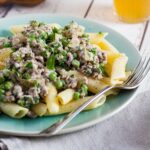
[{"x": 93, "y": 138}]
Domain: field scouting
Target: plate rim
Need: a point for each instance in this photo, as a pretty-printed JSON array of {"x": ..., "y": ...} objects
[{"x": 89, "y": 123}]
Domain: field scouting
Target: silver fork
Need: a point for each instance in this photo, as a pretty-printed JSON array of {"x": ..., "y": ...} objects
[{"x": 138, "y": 74}]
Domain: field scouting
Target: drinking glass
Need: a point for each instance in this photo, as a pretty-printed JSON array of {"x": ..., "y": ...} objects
[{"x": 132, "y": 11}]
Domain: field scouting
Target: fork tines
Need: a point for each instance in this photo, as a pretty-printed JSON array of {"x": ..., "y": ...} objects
[{"x": 141, "y": 70}]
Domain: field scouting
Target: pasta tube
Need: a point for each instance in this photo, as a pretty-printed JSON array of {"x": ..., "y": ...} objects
[
  {"x": 39, "y": 109},
  {"x": 118, "y": 73},
  {"x": 50, "y": 99},
  {"x": 75, "y": 104},
  {"x": 95, "y": 38},
  {"x": 65, "y": 96},
  {"x": 106, "y": 46},
  {"x": 13, "y": 110},
  {"x": 17, "y": 28},
  {"x": 4, "y": 56}
]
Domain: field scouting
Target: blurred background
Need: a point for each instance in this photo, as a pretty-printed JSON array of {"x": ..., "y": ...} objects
[{"x": 131, "y": 11}]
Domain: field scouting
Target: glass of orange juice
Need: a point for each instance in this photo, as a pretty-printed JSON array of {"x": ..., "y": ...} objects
[{"x": 132, "y": 11}]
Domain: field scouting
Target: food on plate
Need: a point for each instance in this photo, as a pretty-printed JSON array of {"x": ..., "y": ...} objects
[{"x": 46, "y": 69}]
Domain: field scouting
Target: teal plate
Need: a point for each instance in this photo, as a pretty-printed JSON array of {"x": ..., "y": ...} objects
[{"x": 30, "y": 127}]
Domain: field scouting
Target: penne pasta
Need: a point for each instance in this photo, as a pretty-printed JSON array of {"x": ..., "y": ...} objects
[
  {"x": 4, "y": 56},
  {"x": 39, "y": 109},
  {"x": 75, "y": 104},
  {"x": 106, "y": 46},
  {"x": 13, "y": 110},
  {"x": 51, "y": 100},
  {"x": 95, "y": 38},
  {"x": 17, "y": 28},
  {"x": 118, "y": 73},
  {"x": 65, "y": 96},
  {"x": 111, "y": 57},
  {"x": 112, "y": 92}
]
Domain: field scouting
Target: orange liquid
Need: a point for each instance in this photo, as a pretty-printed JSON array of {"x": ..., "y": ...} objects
[{"x": 132, "y": 11}]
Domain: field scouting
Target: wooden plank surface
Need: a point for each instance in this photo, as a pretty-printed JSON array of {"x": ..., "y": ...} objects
[
  {"x": 76, "y": 8},
  {"x": 103, "y": 12},
  {"x": 146, "y": 47},
  {"x": 4, "y": 10}
]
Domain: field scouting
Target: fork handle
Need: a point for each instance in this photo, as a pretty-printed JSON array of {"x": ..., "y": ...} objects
[{"x": 56, "y": 127}]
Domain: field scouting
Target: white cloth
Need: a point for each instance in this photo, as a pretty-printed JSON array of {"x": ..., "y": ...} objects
[{"x": 127, "y": 130}]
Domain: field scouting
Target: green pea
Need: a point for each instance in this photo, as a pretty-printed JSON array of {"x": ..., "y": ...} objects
[
  {"x": 2, "y": 79},
  {"x": 64, "y": 59},
  {"x": 35, "y": 83},
  {"x": 56, "y": 45},
  {"x": 28, "y": 101},
  {"x": 66, "y": 27},
  {"x": 26, "y": 76},
  {"x": 29, "y": 65},
  {"x": 2, "y": 91},
  {"x": 74, "y": 55},
  {"x": 100, "y": 32},
  {"x": 8, "y": 85},
  {"x": 18, "y": 74},
  {"x": 51, "y": 49},
  {"x": 41, "y": 24},
  {"x": 41, "y": 41},
  {"x": 43, "y": 35},
  {"x": 84, "y": 88},
  {"x": 13, "y": 49},
  {"x": 64, "y": 83},
  {"x": 45, "y": 54},
  {"x": 34, "y": 23},
  {"x": 6, "y": 72},
  {"x": 36, "y": 100},
  {"x": 59, "y": 84},
  {"x": 85, "y": 35},
  {"x": 64, "y": 53},
  {"x": 2, "y": 86},
  {"x": 32, "y": 36},
  {"x": 2, "y": 96},
  {"x": 51, "y": 37},
  {"x": 94, "y": 51},
  {"x": 53, "y": 76},
  {"x": 31, "y": 40},
  {"x": 6, "y": 44},
  {"x": 76, "y": 96},
  {"x": 55, "y": 30},
  {"x": 101, "y": 68},
  {"x": 50, "y": 64},
  {"x": 65, "y": 42},
  {"x": 76, "y": 63},
  {"x": 21, "y": 102},
  {"x": 18, "y": 58}
]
